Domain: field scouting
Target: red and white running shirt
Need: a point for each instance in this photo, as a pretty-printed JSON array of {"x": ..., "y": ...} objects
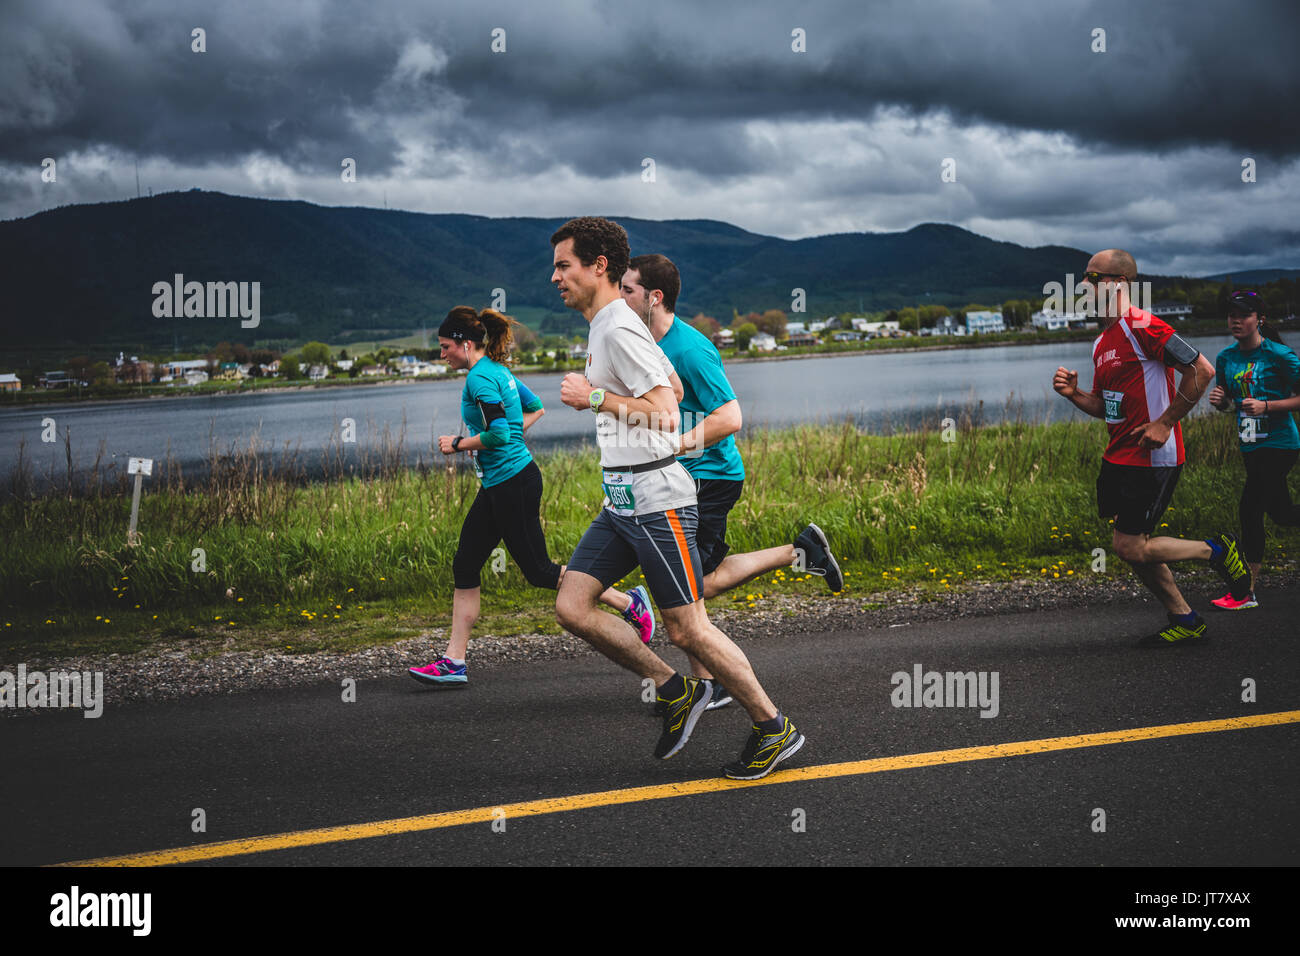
[{"x": 1131, "y": 377}]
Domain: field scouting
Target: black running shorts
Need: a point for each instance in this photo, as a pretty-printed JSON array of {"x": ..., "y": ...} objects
[
  {"x": 1135, "y": 495},
  {"x": 717, "y": 496}
]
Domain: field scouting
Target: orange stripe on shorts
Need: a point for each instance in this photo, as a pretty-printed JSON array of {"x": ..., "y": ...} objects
[{"x": 685, "y": 551}]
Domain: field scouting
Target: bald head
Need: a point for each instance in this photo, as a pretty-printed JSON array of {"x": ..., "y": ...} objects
[{"x": 1114, "y": 262}]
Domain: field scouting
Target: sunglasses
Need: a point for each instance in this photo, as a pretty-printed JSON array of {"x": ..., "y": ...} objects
[{"x": 1095, "y": 277}]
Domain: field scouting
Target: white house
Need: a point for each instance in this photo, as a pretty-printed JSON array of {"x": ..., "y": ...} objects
[
  {"x": 1050, "y": 321},
  {"x": 982, "y": 323},
  {"x": 794, "y": 328},
  {"x": 875, "y": 329},
  {"x": 762, "y": 342},
  {"x": 1172, "y": 311},
  {"x": 9, "y": 383},
  {"x": 318, "y": 372}
]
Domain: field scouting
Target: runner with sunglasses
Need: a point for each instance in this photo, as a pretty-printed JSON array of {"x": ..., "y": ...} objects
[
  {"x": 1259, "y": 376},
  {"x": 1133, "y": 390},
  {"x": 497, "y": 409}
]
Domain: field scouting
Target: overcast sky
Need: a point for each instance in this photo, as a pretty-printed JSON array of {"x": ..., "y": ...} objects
[{"x": 1140, "y": 146}]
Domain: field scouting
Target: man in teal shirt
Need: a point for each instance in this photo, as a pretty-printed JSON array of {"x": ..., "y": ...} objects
[{"x": 710, "y": 419}]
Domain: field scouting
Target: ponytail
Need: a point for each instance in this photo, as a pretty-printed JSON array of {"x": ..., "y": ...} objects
[
  {"x": 500, "y": 335},
  {"x": 1267, "y": 330}
]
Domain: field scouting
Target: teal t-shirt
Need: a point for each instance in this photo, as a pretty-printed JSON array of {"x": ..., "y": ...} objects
[
  {"x": 493, "y": 405},
  {"x": 705, "y": 389},
  {"x": 1270, "y": 372}
]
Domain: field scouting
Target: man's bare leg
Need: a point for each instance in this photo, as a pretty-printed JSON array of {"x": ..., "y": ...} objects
[
  {"x": 736, "y": 569},
  {"x": 577, "y": 612},
  {"x": 1147, "y": 557},
  {"x": 690, "y": 629},
  {"x": 1160, "y": 582}
]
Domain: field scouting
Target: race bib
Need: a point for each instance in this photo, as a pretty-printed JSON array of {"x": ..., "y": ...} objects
[
  {"x": 618, "y": 489},
  {"x": 1114, "y": 406}
]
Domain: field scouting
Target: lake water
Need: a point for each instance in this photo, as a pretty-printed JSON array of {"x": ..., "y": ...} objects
[{"x": 878, "y": 392}]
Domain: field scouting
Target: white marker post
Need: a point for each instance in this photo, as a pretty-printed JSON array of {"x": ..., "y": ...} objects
[{"x": 138, "y": 467}]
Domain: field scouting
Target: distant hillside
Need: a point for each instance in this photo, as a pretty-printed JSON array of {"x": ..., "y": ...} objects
[
  {"x": 1255, "y": 276},
  {"x": 80, "y": 277}
]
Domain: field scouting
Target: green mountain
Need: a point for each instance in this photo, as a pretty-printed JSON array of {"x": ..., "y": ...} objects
[{"x": 82, "y": 277}]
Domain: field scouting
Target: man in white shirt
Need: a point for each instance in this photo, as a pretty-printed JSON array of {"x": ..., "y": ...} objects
[{"x": 649, "y": 516}]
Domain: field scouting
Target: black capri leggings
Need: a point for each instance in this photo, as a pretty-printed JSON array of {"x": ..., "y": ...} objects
[
  {"x": 1266, "y": 493},
  {"x": 510, "y": 511}
]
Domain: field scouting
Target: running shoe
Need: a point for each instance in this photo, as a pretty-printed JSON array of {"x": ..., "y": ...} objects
[
  {"x": 764, "y": 751},
  {"x": 1230, "y": 603},
  {"x": 818, "y": 559},
  {"x": 681, "y": 714},
  {"x": 1230, "y": 566},
  {"x": 441, "y": 671},
  {"x": 1176, "y": 634},
  {"x": 639, "y": 613},
  {"x": 721, "y": 697}
]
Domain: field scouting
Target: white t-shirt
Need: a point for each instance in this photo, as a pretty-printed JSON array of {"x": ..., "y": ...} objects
[{"x": 623, "y": 358}]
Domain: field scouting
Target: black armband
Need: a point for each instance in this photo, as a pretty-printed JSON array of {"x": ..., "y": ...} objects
[
  {"x": 491, "y": 411},
  {"x": 1178, "y": 351}
]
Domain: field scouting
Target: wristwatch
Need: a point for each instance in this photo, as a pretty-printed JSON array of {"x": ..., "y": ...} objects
[
  {"x": 455, "y": 443},
  {"x": 597, "y": 397}
]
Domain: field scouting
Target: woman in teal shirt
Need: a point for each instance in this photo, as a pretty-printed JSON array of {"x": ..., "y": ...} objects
[
  {"x": 497, "y": 409},
  {"x": 1258, "y": 377}
]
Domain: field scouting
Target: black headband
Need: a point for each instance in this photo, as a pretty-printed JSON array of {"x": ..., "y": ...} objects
[{"x": 455, "y": 327}]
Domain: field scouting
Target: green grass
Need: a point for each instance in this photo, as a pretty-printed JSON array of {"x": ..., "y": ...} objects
[{"x": 346, "y": 562}]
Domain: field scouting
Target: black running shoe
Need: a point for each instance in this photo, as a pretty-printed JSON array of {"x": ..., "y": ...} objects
[
  {"x": 1176, "y": 633},
  {"x": 818, "y": 558},
  {"x": 681, "y": 714},
  {"x": 764, "y": 751},
  {"x": 1230, "y": 567},
  {"x": 721, "y": 697}
]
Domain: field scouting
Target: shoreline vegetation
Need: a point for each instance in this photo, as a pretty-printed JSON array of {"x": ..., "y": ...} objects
[
  {"x": 250, "y": 558},
  {"x": 249, "y": 386}
]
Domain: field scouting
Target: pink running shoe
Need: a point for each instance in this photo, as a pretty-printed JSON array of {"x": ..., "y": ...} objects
[
  {"x": 1229, "y": 603},
  {"x": 441, "y": 671},
  {"x": 639, "y": 613}
]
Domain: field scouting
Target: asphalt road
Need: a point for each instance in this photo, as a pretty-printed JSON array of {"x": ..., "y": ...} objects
[{"x": 266, "y": 763}]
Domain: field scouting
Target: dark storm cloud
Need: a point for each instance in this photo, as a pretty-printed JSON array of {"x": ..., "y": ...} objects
[
  {"x": 1055, "y": 144},
  {"x": 293, "y": 84}
]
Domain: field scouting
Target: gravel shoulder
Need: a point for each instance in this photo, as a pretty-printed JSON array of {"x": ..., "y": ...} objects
[{"x": 190, "y": 669}]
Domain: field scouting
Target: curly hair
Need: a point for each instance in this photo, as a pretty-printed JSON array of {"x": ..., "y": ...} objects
[{"x": 593, "y": 237}]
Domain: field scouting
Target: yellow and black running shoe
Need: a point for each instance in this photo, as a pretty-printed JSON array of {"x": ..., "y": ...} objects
[
  {"x": 1230, "y": 566},
  {"x": 764, "y": 751},
  {"x": 680, "y": 715},
  {"x": 1175, "y": 633}
]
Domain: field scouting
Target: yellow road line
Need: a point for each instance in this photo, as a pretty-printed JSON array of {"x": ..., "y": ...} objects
[{"x": 581, "y": 801}]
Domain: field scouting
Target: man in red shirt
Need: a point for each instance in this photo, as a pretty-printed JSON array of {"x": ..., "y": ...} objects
[{"x": 1133, "y": 390}]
